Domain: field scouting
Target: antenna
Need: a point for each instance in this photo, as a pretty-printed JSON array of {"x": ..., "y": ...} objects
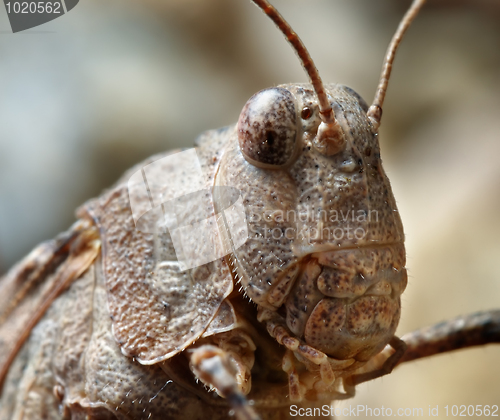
[
  {"x": 375, "y": 111},
  {"x": 329, "y": 131}
]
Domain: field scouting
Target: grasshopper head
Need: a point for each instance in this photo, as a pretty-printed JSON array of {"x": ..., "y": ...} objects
[{"x": 324, "y": 230}]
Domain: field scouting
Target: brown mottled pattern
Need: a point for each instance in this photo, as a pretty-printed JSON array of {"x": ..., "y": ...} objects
[
  {"x": 358, "y": 329},
  {"x": 283, "y": 286},
  {"x": 346, "y": 197},
  {"x": 157, "y": 309},
  {"x": 340, "y": 210},
  {"x": 125, "y": 387},
  {"x": 303, "y": 298},
  {"x": 267, "y": 127},
  {"x": 72, "y": 367},
  {"x": 264, "y": 193},
  {"x": 224, "y": 320},
  {"x": 364, "y": 286},
  {"x": 325, "y": 324},
  {"x": 339, "y": 294},
  {"x": 367, "y": 261},
  {"x": 290, "y": 211}
]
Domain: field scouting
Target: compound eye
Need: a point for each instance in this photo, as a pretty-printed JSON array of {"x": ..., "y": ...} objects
[{"x": 267, "y": 128}]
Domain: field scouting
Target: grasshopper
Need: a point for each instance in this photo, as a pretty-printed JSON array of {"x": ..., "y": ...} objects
[{"x": 223, "y": 351}]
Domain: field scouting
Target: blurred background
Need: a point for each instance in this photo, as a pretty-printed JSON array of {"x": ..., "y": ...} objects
[{"x": 86, "y": 96}]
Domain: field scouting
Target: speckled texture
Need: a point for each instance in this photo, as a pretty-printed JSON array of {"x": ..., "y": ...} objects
[
  {"x": 325, "y": 254},
  {"x": 157, "y": 309},
  {"x": 267, "y": 127},
  {"x": 315, "y": 205},
  {"x": 340, "y": 211},
  {"x": 303, "y": 298},
  {"x": 72, "y": 367}
]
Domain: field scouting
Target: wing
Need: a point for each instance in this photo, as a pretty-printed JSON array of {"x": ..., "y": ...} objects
[{"x": 157, "y": 306}]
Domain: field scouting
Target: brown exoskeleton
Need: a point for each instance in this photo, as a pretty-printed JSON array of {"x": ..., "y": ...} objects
[{"x": 306, "y": 165}]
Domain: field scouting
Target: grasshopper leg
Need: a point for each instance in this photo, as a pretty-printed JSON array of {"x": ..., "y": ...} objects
[
  {"x": 327, "y": 367},
  {"x": 476, "y": 329},
  {"x": 215, "y": 368},
  {"x": 387, "y": 366},
  {"x": 464, "y": 331}
]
